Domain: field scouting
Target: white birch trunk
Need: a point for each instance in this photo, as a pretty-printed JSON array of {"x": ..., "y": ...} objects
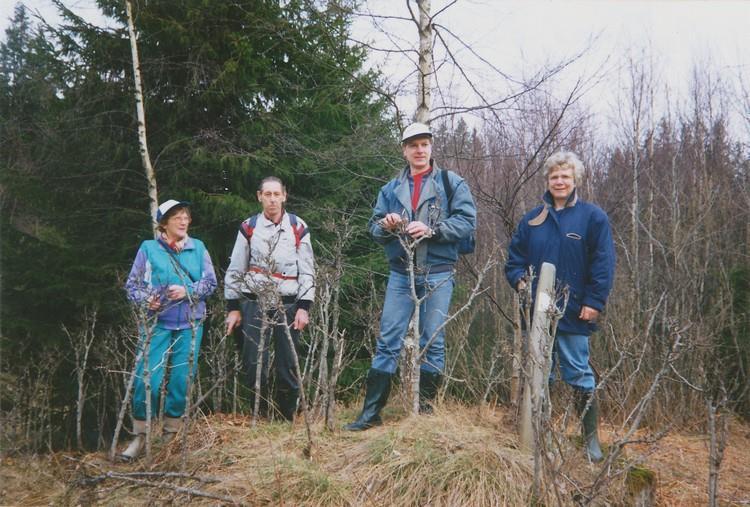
[
  {"x": 426, "y": 63},
  {"x": 141, "y": 114},
  {"x": 411, "y": 343},
  {"x": 535, "y": 368}
]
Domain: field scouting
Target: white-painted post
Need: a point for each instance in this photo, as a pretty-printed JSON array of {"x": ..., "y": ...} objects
[{"x": 537, "y": 359}]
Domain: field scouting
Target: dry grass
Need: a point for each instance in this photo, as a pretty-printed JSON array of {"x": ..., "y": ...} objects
[
  {"x": 452, "y": 458},
  {"x": 680, "y": 462},
  {"x": 459, "y": 456},
  {"x": 31, "y": 480}
]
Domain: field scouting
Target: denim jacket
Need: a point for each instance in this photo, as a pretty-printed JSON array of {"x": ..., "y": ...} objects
[{"x": 451, "y": 222}]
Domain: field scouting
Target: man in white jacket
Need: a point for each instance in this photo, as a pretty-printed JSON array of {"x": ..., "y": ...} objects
[{"x": 272, "y": 268}]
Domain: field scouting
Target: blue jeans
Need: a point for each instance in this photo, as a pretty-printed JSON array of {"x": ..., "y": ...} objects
[
  {"x": 571, "y": 352},
  {"x": 171, "y": 345},
  {"x": 397, "y": 312}
]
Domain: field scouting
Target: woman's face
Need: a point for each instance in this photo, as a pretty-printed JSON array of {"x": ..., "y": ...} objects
[
  {"x": 176, "y": 228},
  {"x": 561, "y": 181}
]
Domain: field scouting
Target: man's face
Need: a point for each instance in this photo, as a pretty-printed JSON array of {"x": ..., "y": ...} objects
[
  {"x": 560, "y": 182},
  {"x": 417, "y": 153},
  {"x": 272, "y": 198}
]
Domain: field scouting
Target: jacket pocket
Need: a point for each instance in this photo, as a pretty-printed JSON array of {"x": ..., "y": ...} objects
[{"x": 574, "y": 304}]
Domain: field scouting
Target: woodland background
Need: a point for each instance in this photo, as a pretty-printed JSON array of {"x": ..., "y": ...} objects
[{"x": 238, "y": 91}]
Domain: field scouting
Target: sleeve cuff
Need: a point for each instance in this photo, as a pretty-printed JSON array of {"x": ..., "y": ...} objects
[
  {"x": 233, "y": 305},
  {"x": 304, "y": 304},
  {"x": 592, "y": 303}
]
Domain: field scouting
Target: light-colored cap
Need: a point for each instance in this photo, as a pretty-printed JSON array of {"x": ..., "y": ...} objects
[
  {"x": 415, "y": 130},
  {"x": 168, "y": 205}
]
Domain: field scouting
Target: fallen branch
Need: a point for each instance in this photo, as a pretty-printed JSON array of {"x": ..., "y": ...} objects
[
  {"x": 133, "y": 478},
  {"x": 88, "y": 481}
]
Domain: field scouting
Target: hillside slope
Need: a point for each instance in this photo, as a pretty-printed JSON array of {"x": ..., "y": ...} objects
[{"x": 459, "y": 456}]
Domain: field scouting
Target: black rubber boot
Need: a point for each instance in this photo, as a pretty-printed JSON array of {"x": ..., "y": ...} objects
[
  {"x": 376, "y": 396},
  {"x": 590, "y": 424},
  {"x": 286, "y": 402},
  {"x": 429, "y": 383},
  {"x": 263, "y": 409}
]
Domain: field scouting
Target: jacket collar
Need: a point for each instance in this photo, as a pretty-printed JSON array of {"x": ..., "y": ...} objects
[
  {"x": 569, "y": 203},
  {"x": 549, "y": 203},
  {"x": 263, "y": 221},
  {"x": 403, "y": 190},
  {"x": 189, "y": 244}
]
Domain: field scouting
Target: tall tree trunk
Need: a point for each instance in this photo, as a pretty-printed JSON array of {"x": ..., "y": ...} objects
[
  {"x": 426, "y": 63},
  {"x": 717, "y": 431},
  {"x": 141, "y": 113},
  {"x": 635, "y": 211}
]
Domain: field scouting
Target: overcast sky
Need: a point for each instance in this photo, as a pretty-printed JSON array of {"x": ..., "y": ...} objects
[{"x": 519, "y": 37}]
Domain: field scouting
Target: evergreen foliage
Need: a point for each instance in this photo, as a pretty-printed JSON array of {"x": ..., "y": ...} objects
[{"x": 234, "y": 92}]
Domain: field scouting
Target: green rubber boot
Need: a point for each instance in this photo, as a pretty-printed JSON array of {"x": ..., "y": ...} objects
[{"x": 590, "y": 424}]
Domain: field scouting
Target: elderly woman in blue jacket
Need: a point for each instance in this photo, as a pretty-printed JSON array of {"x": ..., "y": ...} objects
[
  {"x": 170, "y": 280},
  {"x": 575, "y": 236}
]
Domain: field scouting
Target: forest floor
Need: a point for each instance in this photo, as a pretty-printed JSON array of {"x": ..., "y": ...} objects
[{"x": 458, "y": 456}]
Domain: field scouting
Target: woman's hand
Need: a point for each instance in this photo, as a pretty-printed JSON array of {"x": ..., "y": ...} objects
[
  {"x": 154, "y": 303},
  {"x": 176, "y": 292},
  {"x": 588, "y": 313}
]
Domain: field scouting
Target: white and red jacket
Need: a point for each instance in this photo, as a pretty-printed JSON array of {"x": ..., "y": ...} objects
[{"x": 274, "y": 258}]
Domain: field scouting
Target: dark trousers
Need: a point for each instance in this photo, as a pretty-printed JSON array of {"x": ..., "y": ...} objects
[{"x": 276, "y": 335}]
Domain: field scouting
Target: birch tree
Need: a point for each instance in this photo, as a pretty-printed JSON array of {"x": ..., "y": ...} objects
[
  {"x": 426, "y": 61},
  {"x": 148, "y": 168}
]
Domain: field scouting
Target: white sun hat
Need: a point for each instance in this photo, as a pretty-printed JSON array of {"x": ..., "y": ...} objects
[
  {"x": 168, "y": 205},
  {"x": 415, "y": 130}
]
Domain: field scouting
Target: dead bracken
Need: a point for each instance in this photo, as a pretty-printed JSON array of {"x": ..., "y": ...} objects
[{"x": 458, "y": 456}]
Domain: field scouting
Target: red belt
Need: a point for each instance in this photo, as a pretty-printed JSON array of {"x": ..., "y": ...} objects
[{"x": 256, "y": 269}]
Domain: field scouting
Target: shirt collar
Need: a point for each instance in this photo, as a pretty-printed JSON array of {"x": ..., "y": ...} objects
[
  {"x": 265, "y": 222},
  {"x": 423, "y": 175}
]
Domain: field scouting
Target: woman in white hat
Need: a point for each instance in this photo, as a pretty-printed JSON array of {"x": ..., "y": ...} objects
[{"x": 170, "y": 280}]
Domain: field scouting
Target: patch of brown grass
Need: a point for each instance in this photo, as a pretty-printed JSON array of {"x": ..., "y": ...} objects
[
  {"x": 680, "y": 461},
  {"x": 460, "y": 456},
  {"x": 31, "y": 480}
]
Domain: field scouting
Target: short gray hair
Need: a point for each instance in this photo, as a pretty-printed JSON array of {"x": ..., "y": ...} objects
[
  {"x": 271, "y": 179},
  {"x": 564, "y": 158}
]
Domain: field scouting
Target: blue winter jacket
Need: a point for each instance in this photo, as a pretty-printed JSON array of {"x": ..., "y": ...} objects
[
  {"x": 155, "y": 269},
  {"x": 451, "y": 222},
  {"x": 578, "y": 241}
]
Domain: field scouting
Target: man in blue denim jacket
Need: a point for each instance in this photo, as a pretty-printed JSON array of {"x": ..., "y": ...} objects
[
  {"x": 575, "y": 236},
  {"x": 417, "y": 206}
]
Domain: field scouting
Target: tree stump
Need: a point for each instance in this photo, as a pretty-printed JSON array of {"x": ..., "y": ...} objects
[{"x": 641, "y": 486}]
